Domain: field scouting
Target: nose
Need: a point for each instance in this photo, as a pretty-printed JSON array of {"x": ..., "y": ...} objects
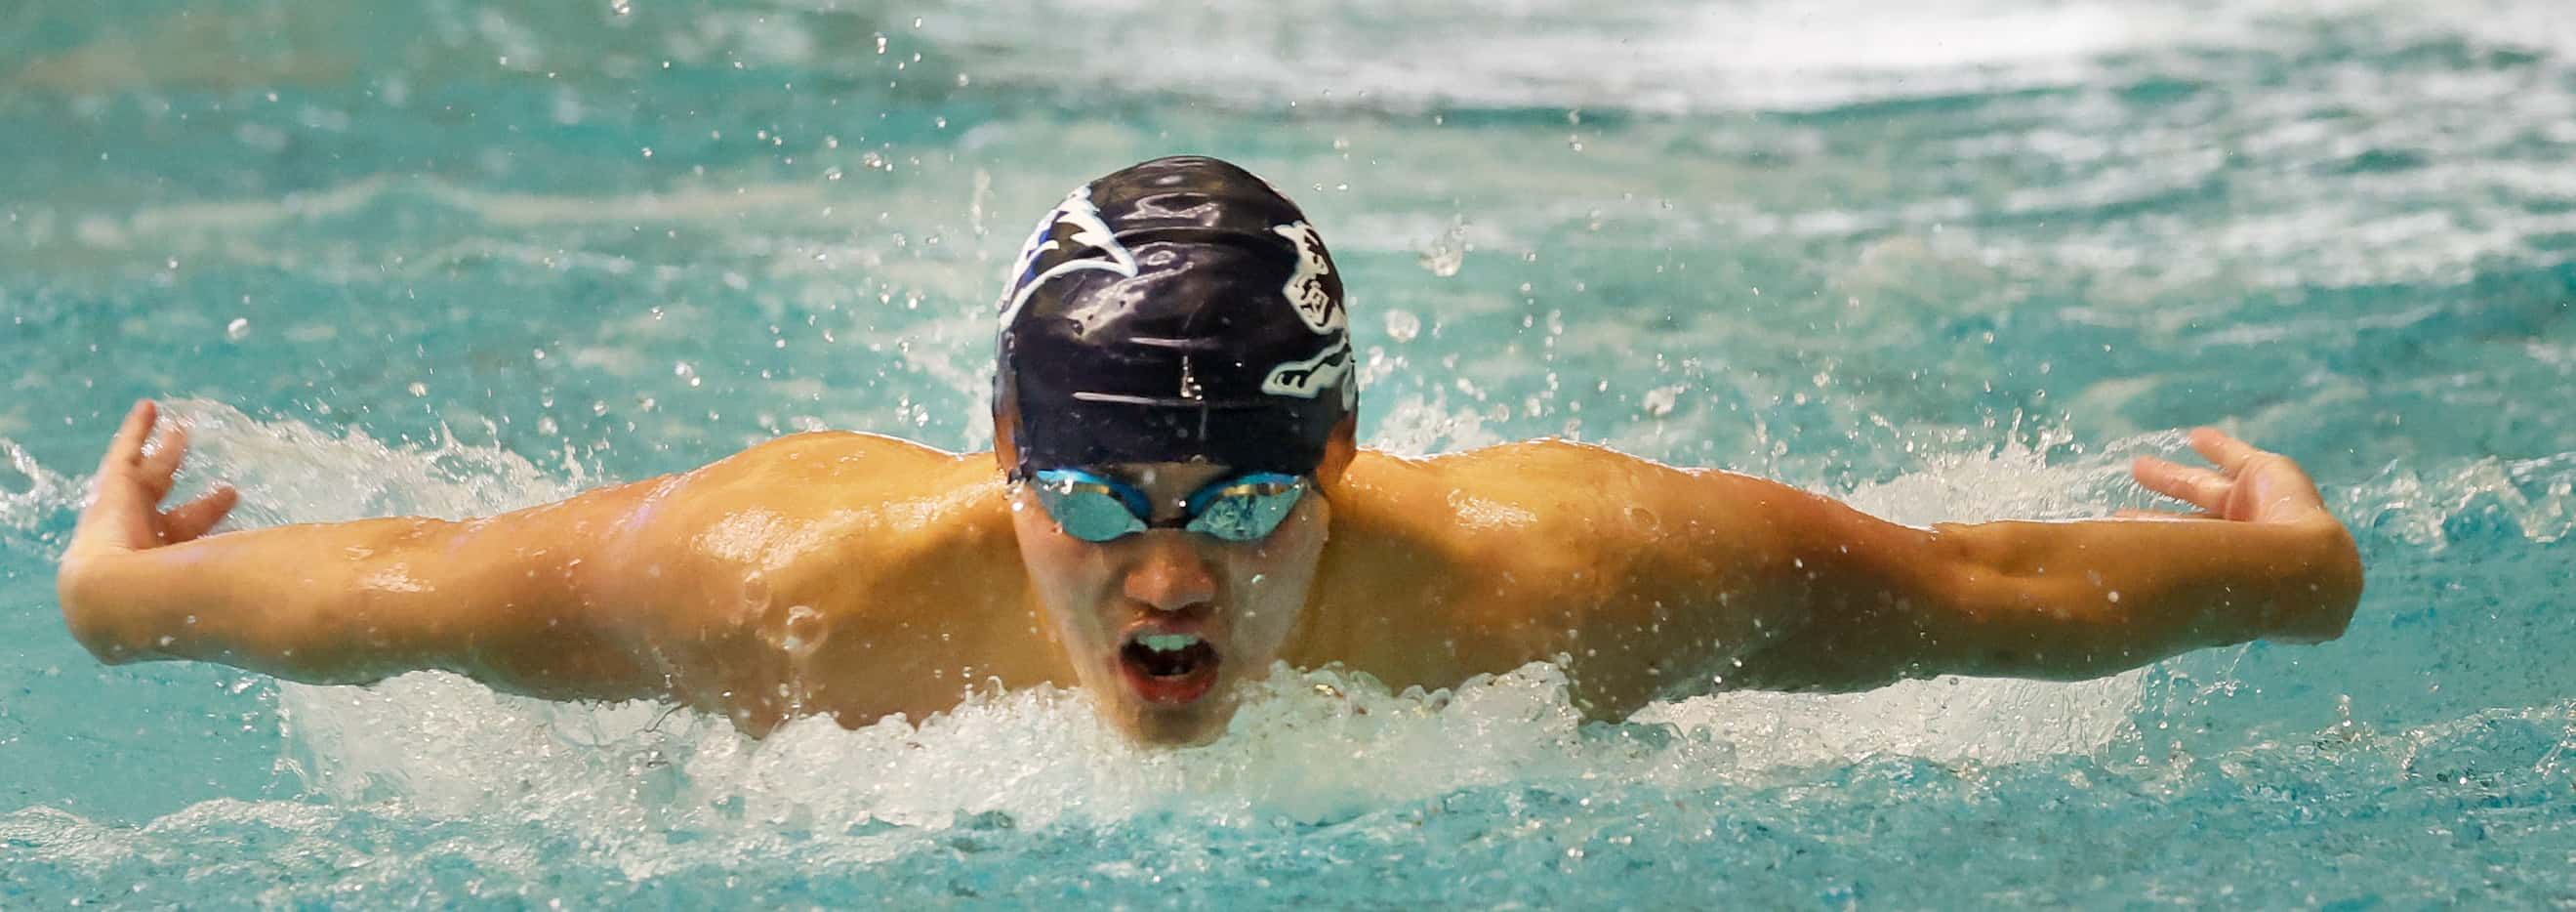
[{"x": 1171, "y": 576}]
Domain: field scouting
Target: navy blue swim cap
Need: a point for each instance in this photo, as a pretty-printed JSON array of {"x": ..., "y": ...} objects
[{"x": 1179, "y": 310}]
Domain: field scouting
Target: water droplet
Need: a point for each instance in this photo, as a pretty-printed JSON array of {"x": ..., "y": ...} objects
[
  {"x": 1659, "y": 401},
  {"x": 1448, "y": 252},
  {"x": 1402, "y": 326}
]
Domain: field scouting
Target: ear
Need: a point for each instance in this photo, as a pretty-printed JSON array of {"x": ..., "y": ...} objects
[{"x": 1339, "y": 450}]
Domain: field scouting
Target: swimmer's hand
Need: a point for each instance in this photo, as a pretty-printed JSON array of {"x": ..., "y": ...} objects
[
  {"x": 126, "y": 516},
  {"x": 2250, "y": 485},
  {"x": 326, "y": 603},
  {"x": 676, "y": 587},
  {"x": 2261, "y": 558}
]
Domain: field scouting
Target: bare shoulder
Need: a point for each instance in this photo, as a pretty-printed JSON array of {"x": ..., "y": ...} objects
[
  {"x": 1530, "y": 550},
  {"x": 799, "y": 519},
  {"x": 815, "y": 568},
  {"x": 767, "y": 505},
  {"x": 1562, "y": 500},
  {"x": 792, "y": 468}
]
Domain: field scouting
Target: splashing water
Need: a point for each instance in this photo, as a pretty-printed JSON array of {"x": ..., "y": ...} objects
[
  {"x": 1952, "y": 263},
  {"x": 1316, "y": 745}
]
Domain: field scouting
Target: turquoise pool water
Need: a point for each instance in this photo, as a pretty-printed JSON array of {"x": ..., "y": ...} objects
[{"x": 1955, "y": 262}]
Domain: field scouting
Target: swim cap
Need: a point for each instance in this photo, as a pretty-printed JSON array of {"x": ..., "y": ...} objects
[{"x": 1179, "y": 310}]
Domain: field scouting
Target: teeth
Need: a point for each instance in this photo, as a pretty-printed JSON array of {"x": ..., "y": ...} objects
[{"x": 1168, "y": 642}]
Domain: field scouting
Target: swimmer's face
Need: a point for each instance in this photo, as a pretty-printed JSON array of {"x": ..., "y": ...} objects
[{"x": 1163, "y": 626}]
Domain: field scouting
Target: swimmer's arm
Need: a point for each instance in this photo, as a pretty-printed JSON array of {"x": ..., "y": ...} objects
[
  {"x": 356, "y": 602},
  {"x": 501, "y": 599},
  {"x": 1874, "y": 602}
]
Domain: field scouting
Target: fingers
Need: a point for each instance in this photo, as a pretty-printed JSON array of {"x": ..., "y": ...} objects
[
  {"x": 190, "y": 520},
  {"x": 115, "y": 501},
  {"x": 2229, "y": 453},
  {"x": 2197, "y": 486},
  {"x": 162, "y": 462},
  {"x": 127, "y": 446}
]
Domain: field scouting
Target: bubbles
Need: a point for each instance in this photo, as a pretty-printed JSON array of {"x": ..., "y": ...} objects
[
  {"x": 1402, "y": 325},
  {"x": 1447, "y": 252},
  {"x": 1659, "y": 402},
  {"x": 443, "y": 742},
  {"x": 2434, "y": 506},
  {"x": 449, "y": 746},
  {"x": 1665, "y": 58},
  {"x": 1314, "y": 747},
  {"x": 32, "y": 497},
  {"x": 19, "y": 478},
  {"x": 289, "y": 472}
]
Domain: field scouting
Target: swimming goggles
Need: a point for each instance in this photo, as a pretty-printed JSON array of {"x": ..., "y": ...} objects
[{"x": 1095, "y": 509}]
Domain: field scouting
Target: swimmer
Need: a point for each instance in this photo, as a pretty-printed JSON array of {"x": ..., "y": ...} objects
[{"x": 1175, "y": 502}]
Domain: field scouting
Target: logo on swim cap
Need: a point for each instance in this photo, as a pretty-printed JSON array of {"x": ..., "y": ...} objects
[
  {"x": 1305, "y": 289},
  {"x": 1218, "y": 333},
  {"x": 1304, "y": 379},
  {"x": 1088, "y": 233}
]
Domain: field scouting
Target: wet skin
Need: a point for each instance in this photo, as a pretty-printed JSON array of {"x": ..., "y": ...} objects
[
  {"x": 1243, "y": 598},
  {"x": 862, "y": 576}
]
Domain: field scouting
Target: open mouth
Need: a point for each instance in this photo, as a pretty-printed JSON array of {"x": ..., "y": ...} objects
[{"x": 1168, "y": 668}]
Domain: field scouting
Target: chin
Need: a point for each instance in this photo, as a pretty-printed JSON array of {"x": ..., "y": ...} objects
[{"x": 1189, "y": 726}]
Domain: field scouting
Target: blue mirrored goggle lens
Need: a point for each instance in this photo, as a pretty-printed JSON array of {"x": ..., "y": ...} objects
[
  {"x": 1087, "y": 507},
  {"x": 1096, "y": 509},
  {"x": 1246, "y": 508}
]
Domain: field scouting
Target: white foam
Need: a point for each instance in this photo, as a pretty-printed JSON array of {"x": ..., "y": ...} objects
[
  {"x": 1317, "y": 745},
  {"x": 291, "y": 472},
  {"x": 1950, "y": 718},
  {"x": 1313, "y": 745},
  {"x": 31, "y": 494},
  {"x": 1656, "y": 57},
  {"x": 2418, "y": 505},
  {"x": 1669, "y": 57}
]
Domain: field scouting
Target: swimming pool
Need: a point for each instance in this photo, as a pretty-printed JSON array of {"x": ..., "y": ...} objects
[{"x": 1951, "y": 264}]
